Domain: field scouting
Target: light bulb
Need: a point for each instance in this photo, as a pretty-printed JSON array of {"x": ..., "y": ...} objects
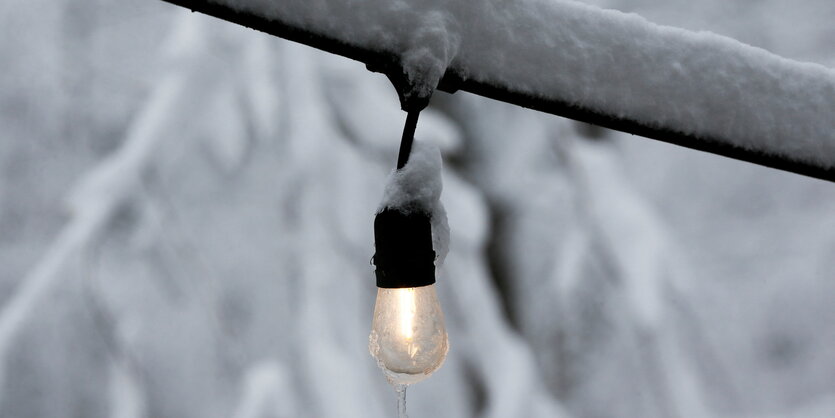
[{"x": 408, "y": 337}]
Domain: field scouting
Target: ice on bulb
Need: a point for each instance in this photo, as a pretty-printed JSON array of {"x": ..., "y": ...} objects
[{"x": 408, "y": 337}]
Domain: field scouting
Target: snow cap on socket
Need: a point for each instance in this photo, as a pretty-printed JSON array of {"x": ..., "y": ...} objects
[{"x": 410, "y": 229}]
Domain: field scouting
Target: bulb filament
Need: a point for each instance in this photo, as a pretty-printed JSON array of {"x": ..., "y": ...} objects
[{"x": 407, "y": 309}]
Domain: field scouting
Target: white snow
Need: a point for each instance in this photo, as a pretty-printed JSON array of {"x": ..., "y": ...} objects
[
  {"x": 214, "y": 261},
  {"x": 417, "y": 187},
  {"x": 620, "y": 64}
]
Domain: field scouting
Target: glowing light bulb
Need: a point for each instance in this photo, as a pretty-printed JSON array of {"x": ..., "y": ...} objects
[{"x": 408, "y": 336}]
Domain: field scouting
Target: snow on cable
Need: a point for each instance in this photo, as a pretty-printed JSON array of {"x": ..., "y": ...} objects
[{"x": 697, "y": 84}]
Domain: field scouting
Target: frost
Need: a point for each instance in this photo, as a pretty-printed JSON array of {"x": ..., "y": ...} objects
[{"x": 417, "y": 188}]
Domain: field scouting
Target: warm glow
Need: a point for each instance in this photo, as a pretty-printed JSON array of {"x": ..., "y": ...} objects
[
  {"x": 408, "y": 337},
  {"x": 406, "y": 312}
]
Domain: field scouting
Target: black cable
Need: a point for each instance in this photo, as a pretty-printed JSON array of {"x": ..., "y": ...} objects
[
  {"x": 408, "y": 138},
  {"x": 404, "y": 255}
]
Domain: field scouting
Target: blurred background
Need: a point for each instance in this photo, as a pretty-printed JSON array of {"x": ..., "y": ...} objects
[{"x": 186, "y": 214}]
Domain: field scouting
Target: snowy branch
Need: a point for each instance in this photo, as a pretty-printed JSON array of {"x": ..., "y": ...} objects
[
  {"x": 604, "y": 67},
  {"x": 103, "y": 190}
]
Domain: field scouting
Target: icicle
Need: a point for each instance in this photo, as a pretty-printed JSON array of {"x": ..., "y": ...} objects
[{"x": 401, "y": 400}]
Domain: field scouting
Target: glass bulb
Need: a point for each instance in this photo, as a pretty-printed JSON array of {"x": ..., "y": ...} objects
[{"x": 408, "y": 337}]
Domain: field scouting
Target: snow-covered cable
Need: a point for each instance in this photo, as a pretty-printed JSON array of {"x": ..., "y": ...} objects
[{"x": 612, "y": 69}]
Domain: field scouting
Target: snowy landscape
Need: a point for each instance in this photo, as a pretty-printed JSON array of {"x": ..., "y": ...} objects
[{"x": 187, "y": 207}]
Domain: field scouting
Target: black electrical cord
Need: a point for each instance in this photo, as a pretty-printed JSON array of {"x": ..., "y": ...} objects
[
  {"x": 403, "y": 239},
  {"x": 408, "y": 138}
]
